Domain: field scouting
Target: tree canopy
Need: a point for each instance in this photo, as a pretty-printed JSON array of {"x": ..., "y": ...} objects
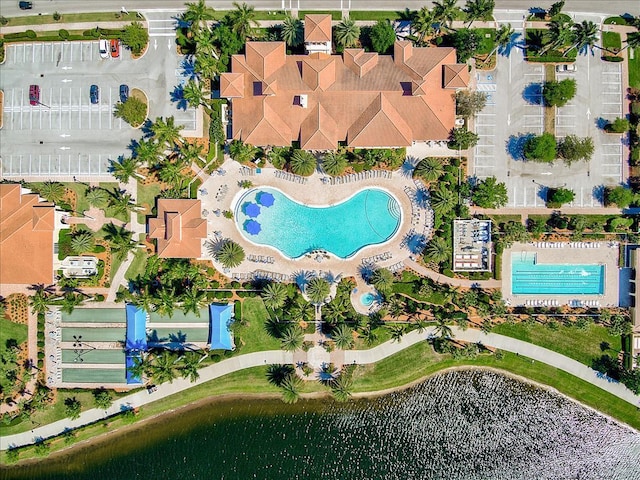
[
  {"x": 132, "y": 110},
  {"x": 619, "y": 196},
  {"x": 136, "y": 37},
  {"x": 557, "y": 94},
  {"x": 541, "y": 148},
  {"x": 490, "y": 194},
  {"x": 382, "y": 36},
  {"x": 573, "y": 148},
  {"x": 560, "y": 196},
  {"x": 469, "y": 103}
]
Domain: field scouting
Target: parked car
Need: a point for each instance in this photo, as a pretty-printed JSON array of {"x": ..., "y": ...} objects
[
  {"x": 34, "y": 94},
  {"x": 103, "y": 46},
  {"x": 124, "y": 93},
  {"x": 115, "y": 48},
  {"x": 566, "y": 67},
  {"x": 25, "y": 5},
  {"x": 94, "y": 94}
]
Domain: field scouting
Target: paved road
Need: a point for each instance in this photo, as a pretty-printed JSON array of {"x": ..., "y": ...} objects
[
  {"x": 10, "y": 8},
  {"x": 358, "y": 356}
]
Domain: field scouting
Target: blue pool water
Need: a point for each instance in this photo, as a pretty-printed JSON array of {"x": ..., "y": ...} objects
[
  {"x": 530, "y": 277},
  {"x": 370, "y": 217},
  {"x": 367, "y": 299}
]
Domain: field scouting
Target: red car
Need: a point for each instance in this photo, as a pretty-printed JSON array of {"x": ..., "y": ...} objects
[
  {"x": 115, "y": 48},
  {"x": 34, "y": 94}
]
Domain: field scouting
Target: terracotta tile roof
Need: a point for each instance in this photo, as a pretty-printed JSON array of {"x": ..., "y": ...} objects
[
  {"x": 178, "y": 228},
  {"x": 455, "y": 76},
  {"x": 265, "y": 58},
  {"x": 231, "y": 85},
  {"x": 405, "y": 99},
  {"x": 26, "y": 237},
  {"x": 317, "y": 28}
]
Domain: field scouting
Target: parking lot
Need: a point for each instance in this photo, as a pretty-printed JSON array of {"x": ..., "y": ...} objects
[
  {"x": 64, "y": 134},
  {"x": 514, "y": 111}
]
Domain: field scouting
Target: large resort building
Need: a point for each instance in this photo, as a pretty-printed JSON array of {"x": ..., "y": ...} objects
[{"x": 357, "y": 99}]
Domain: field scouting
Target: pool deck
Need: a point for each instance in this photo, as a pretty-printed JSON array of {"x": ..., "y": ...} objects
[
  {"x": 222, "y": 192},
  {"x": 585, "y": 253}
]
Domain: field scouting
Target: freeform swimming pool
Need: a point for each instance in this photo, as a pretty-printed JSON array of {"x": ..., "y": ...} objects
[
  {"x": 371, "y": 216},
  {"x": 528, "y": 277}
]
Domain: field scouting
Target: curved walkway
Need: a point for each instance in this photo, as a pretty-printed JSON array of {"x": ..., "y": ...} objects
[
  {"x": 372, "y": 355},
  {"x": 456, "y": 282}
]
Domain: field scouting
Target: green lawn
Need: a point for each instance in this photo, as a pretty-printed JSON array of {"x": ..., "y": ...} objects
[
  {"x": 487, "y": 43},
  {"x": 335, "y": 14},
  {"x": 73, "y": 18},
  {"x": 147, "y": 198},
  {"x": 611, "y": 41},
  {"x": 254, "y": 336},
  {"x": 615, "y": 21},
  {"x": 634, "y": 67},
  {"x": 580, "y": 345},
  {"x": 137, "y": 266},
  {"x": 9, "y": 329},
  {"x": 375, "y": 15}
]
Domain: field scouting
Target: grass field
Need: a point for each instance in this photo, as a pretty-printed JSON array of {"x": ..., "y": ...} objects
[
  {"x": 253, "y": 335},
  {"x": 376, "y": 15},
  {"x": 335, "y": 14},
  {"x": 137, "y": 265},
  {"x": 15, "y": 331},
  {"x": 73, "y": 18},
  {"x": 611, "y": 41},
  {"x": 582, "y": 346},
  {"x": 147, "y": 199}
]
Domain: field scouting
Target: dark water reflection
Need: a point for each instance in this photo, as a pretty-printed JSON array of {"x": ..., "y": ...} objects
[{"x": 458, "y": 425}]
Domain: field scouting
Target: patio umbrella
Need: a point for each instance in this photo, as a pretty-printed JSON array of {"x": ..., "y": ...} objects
[
  {"x": 251, "y": 209},
  {"x": 252, "y": 227},
  {"x": 265, "y": 199}
]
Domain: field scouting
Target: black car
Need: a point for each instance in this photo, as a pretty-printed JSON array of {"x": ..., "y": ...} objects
[
  {"x": 124, "y": 93},
  {"x": 25, "y": 5}
]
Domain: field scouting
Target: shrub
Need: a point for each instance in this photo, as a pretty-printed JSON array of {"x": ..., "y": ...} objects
[
  {"x": 462, "y": 139},
  {"x": 136, "y": 37},
  {"x": 3, "y": 20},
  {"x": 559, "y": 196},
  {"x": 133, "y": 111},
  {"x": 382, "y": 36},
  {"x": 557, "y": 94},
  {"x": 56, "y": 16},
  {"x": 541, "y": 148},
  {"x": 619, "y": 125},
  {"x": 619, "y": 196},
  {"x": 612, "y": 58},
  {"x": 63, "y": 34},
  {"x": 30, "y": 34}
]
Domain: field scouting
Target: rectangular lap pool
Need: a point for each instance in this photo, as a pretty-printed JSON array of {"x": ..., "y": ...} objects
[{"x": 531, "y": 278}]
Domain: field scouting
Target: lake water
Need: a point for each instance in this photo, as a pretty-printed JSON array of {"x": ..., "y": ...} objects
[{"x": 457, "y": 425}]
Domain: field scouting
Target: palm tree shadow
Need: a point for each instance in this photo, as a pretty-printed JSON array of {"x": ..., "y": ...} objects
[
  {"x": 177, "y": 97},
  {"x": 422, "y": 197},
  {"x": 409, "y": 166},
  {"x": 366, "y": 270},
  {"x": 188, "y": 68},
  {"x": 147, "y": 132},
  {"x": 514, "y": 42},
  {"x": 302, "y": 277},
  {"x": 515, "y": 145},
  {"x": 415, "y": 242}
]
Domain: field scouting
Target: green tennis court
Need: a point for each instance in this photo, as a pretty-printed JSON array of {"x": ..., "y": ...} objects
[
  {"x": 94, "y": 356},
  {"x": 178, "y": 335},
  {"x": 95, "y": 315},
  {"x": 94, "y": 375},
  {"x": 180, "y": 317},
  {"x": 97, "y": 334}
]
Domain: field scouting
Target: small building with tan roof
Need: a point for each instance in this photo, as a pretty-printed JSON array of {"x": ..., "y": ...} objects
[
  {"x": 359, "y": 99},
  {"x": 27, "y": 233},
  {"x": 178, "y": 228}
]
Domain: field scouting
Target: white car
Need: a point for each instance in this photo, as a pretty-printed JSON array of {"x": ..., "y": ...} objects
[
  {"x": 104, "y": 49},
  {"x": 566, "y": 67}
]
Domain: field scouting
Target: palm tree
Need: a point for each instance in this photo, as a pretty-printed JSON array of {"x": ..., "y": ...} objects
[
  {"x": 334, "y": 163},
  {"x": 442, "y": 329},
  {"x": 292, "y": 31},
  {"x": 97, "y": 197},
  {"x": 302, "y": 163},
  {"x": 343, "y": 337},
  {"x": 397, "y": 332},
  {"x": 124, "y": 168},
  {"x": 396, "y": 307},
  {"x": 39, "y": 301},
  {"x": 503, "y": 38},
  {"x": 558, "y": 35},
  {"x": 197, "y": 15},
  {"x": 443, "y": 199},
  {"x": 122, "y": 203},
  {"x": 243, "y": 20},
  {"x": 166, "y": 131},
  {"x": 369, "y": 335},
  {"x": 585, "y": 36},
  {"x": 476, "y": 9},
  {"x": 278, "y": 373},
  {"x": 291, "y": 388},
  {"x": 430, "y": 169},
  {"x": 194, "y": 93},
  {"x": 230, "y": 254},
  {"x": 341, "y": 387},
  {"x": 302, "y": 310},
  {"x": 422, "y": 23},
  {"x": 193, "y": 300},
  {"x": 437, "y": 250},
  {"x": 53, "y": 192},
  {"x": 242, "y": 152},
  {"x": 382, "y": 279},
  {"x": 191, "y": 152},
  {"x": 317, "y": 290},
  {"x": 445, "y": 11},
  {"x": 164, "y": 368},
  {"x": 120, "y": 239},
  {"x": 71, "y": 301},
  {"x": 205, "y": 42},
  {"x": 82, "y": 242},
  {"x": 165, "y": 301},
  {"x": 146, "y": 152},
  {"x": 190, "y": 362},
  {"x": 633, "y": 40},
  {"x": 347, "y": 33},
  {"x": 172, "y": 172},
  {"x": 292, "y": 338},
  {"x": 274, "y": 295},
  {"x": 207, "y": 65}
]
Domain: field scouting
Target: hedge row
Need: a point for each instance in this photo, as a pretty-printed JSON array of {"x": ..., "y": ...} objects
[{"x": 612, "y": 58}]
